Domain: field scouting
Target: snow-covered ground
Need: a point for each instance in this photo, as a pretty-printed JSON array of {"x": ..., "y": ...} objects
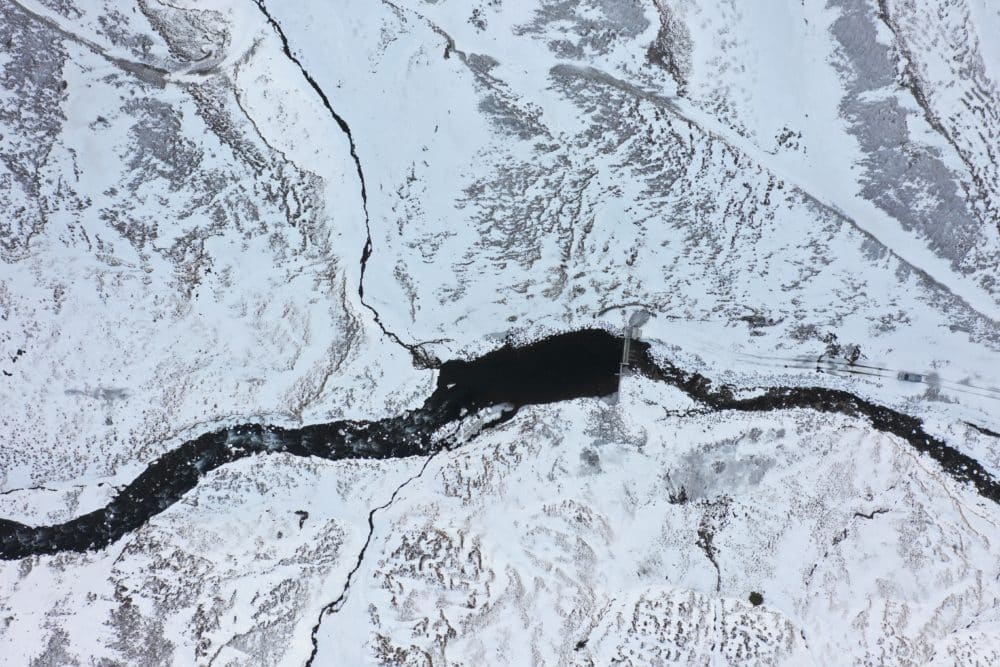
[{"x": 182, "y": 242}]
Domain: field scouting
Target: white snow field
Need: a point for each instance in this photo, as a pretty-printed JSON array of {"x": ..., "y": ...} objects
[{"x": 220, "y": 212}]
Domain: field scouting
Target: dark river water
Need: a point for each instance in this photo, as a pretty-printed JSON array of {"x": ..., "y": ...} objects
[
  {"x": 573, "y": 365},
  {"x": 562, "y": 367}
]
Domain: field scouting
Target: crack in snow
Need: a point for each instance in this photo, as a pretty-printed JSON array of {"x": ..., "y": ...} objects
[
  {"x": 337, "y": 604},
  {"x": 421, "y": 359}
]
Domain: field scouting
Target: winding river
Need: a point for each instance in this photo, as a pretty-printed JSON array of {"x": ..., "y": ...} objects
[{"x": 558, "y": 368}]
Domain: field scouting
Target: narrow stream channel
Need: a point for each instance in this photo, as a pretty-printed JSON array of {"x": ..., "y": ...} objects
[{"x": 559, "y": 368}]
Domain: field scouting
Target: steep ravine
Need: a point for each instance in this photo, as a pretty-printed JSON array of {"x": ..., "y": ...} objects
[{"x": 562, "y": 367}]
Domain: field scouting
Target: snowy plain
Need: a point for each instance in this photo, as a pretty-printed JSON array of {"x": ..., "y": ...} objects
[{"x": 183, "y": 248}]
